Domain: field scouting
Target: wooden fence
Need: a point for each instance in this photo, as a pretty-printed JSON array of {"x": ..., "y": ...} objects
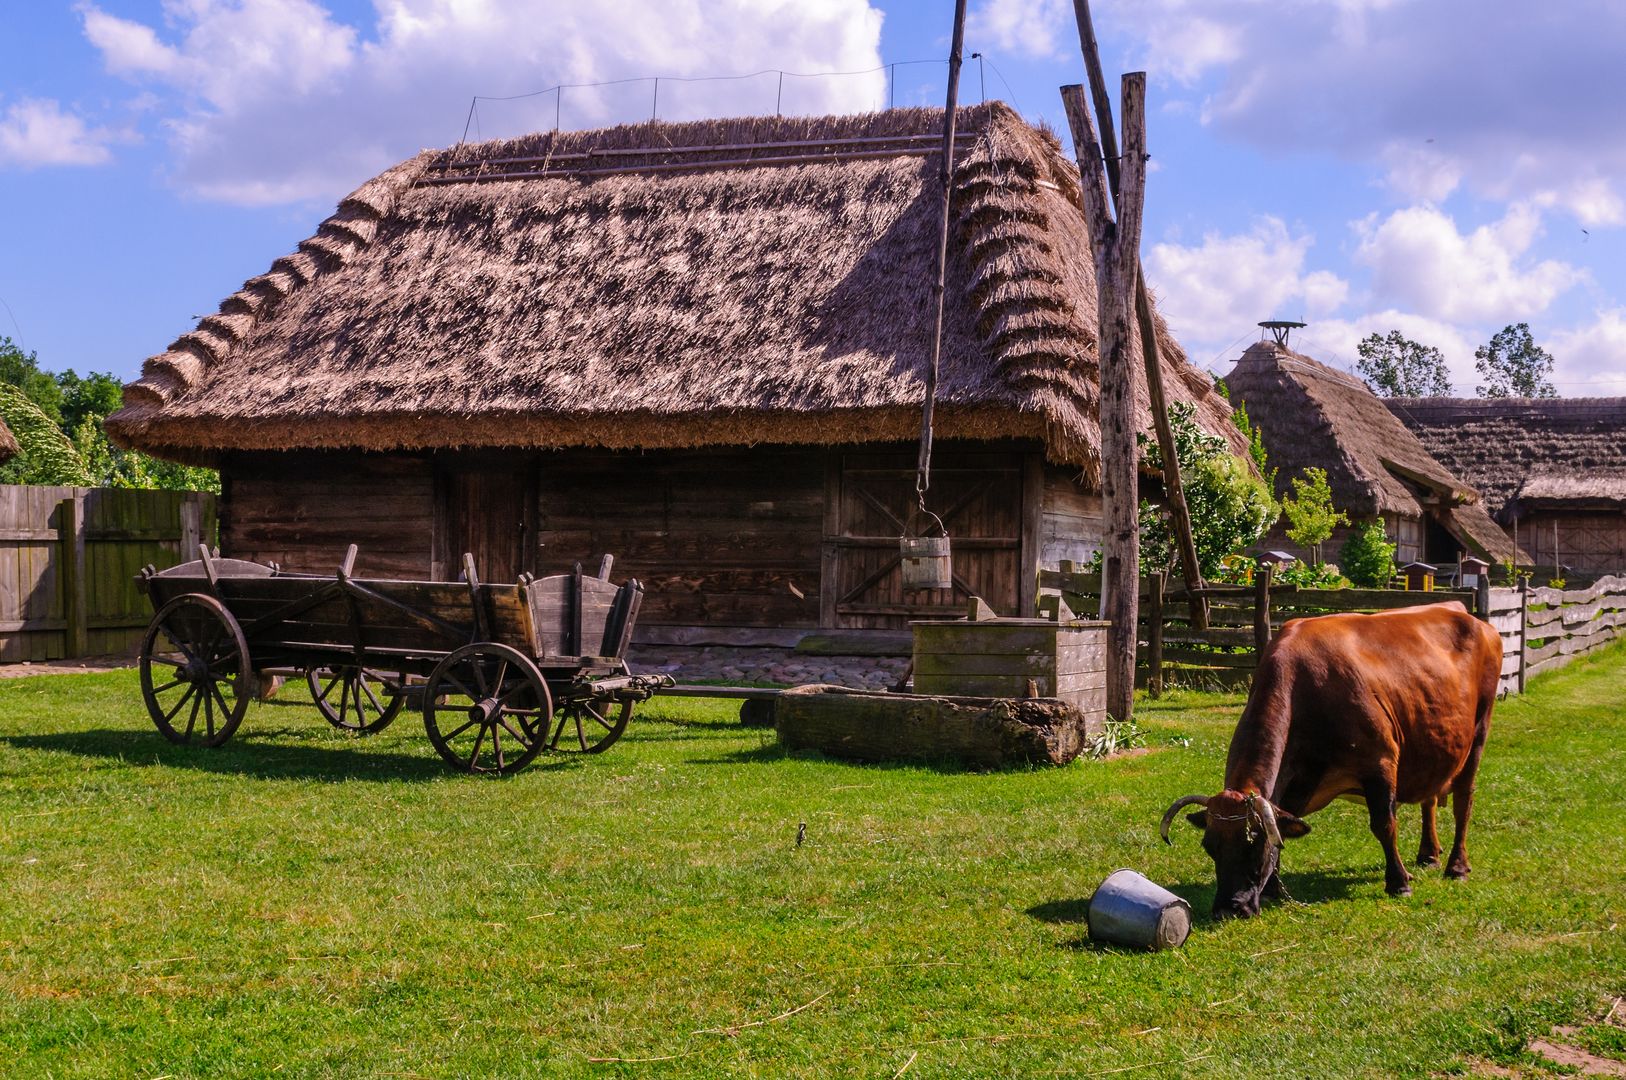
[
  {"x": 69, "y": 557},
  {"x": 1243, "y": 618},
  {"x": 1560, "y": 624}
]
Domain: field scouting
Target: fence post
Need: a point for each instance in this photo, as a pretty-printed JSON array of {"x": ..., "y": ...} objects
[
  {"x": 1154, "y": 634},
  {"x": 1482, "y": 596},
  {"x": 1524, "y": 630},
  {"x": 75, "y": 602},
  {"x": 1261, "y": 609}
]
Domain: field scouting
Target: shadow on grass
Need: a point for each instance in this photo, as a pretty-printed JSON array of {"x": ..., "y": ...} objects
[
  {"x": 941, "y": 766},
  {"x": 251, "y": 756}
]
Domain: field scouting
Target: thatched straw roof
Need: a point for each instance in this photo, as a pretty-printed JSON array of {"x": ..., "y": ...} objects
[
  {"x": 8, "y": 444},
  {"x": 1314, "y": 416},
  {"x": 1524, "y": 452},
  {"x": 665, "y": 285}
]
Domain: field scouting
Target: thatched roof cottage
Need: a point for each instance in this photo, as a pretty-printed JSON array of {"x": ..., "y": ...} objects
[
  {"x": 1314, "y": 416},
  {"x": 699, "y": 346},
  {"x": 8, "y": 444},
  {"x": 1552, "y": 470}
]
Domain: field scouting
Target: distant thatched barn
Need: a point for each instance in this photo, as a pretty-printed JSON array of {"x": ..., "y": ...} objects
[
  {"x": 1313, "y": 416},
  {"x": 1552, "y": 470},
  {"x": 8, "y": 444},
  {"x": 698, "y": 346}
]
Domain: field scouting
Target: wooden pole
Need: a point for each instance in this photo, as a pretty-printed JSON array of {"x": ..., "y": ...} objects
[
  {"x": 71, "y": 583},
  {"x": 1524, "y": 631},
  {"x": 1174, "y": 488},
  {"x": 1154, "y": 635},
  {"x": 1261, "y": 609},
  {"x": 940, "y": 287},
  {"x": 1116, "y": 247}
]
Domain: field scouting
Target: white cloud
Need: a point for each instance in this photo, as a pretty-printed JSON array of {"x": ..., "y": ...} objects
[
  {"x": 1590, "y": 360},
  {"x": 1334, "y": 341},
  {"x": 277, "y": 100},
  {"x": 36, "y": 132},
  {"x": 1213, "y": 291},
  {"x": 1030, "y": 27},
  {"x": 1438, "y": 91},
  {"x": 1421, "y": 262}
]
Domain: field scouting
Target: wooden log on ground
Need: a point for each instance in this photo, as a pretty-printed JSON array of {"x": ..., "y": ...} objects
[{"x": 982, "y": 733}]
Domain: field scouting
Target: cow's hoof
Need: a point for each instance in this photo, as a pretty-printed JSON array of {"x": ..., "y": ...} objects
[
  {"x": 1428, "y": 862},
  {"x": 1402, "y": 890},
  {"x": 1457, "y": 873}
]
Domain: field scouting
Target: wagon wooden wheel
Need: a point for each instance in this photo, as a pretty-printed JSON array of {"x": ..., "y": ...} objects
[
  {"x": 485, "y": 708},
  {"x": 588, "y": 726},
  {"x": 194, "y": 665},
  {"x": 354, "y": 698}
]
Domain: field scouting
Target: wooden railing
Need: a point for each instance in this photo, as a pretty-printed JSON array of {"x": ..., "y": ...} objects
[
  {"x": 1243, "y": 618},
  {"x": 1561, "y": 625}
]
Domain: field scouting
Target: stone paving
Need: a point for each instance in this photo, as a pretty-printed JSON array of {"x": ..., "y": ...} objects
[{"x": 733, "y": 664}]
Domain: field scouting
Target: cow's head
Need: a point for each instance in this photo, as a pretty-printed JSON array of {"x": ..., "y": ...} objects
[{"x": 1243, "y": 833}]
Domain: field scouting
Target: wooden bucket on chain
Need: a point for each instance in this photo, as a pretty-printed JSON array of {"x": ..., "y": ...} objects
[{"x": 926, "y": 562}]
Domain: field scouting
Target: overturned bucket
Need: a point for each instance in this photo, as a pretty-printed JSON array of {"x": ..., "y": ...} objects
[
  {"x": 1128, "y": 909},
  {"x": 926, "y": 563}
]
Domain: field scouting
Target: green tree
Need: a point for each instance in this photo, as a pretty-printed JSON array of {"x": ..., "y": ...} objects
[
  {"x": 1230, "y": 507},
  {"x": 1513, "y": 365},
  {"x": 1367, "y": 557},
  {"x": 1310, "y": 515},
  {"x": 22, "y": 370},
  {"x": 45, "y": 455},
  {"x": 1256, "y": 442},
  {"x": 93, "y": 397},
  {"x": 1395, "y": 366}
]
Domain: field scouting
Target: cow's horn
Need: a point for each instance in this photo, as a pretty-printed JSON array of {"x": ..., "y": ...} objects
[
  {"x": 1267, "y": 817},
  {"x": 1168, "y": 815}
]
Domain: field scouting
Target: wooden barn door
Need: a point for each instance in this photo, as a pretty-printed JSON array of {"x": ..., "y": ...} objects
[
  {"x": 490, "y": 513},
  {"x": 872, "y": 502}
]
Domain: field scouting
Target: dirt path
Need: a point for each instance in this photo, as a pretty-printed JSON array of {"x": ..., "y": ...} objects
[{"x": 65, "y": 667}]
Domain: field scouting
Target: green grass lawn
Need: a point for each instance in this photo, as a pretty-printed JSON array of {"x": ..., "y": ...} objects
[{"x": 304, "y": 903}]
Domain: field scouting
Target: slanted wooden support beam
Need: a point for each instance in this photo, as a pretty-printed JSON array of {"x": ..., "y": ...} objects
[
  {"x": 1173, "y": 486},
  {"x": 1116, "y": 251}
]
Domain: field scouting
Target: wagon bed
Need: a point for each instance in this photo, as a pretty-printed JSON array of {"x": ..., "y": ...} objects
[{"x": 500, "y": 671}]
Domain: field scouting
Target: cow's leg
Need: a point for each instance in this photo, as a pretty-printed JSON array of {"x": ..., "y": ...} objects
[
  {"x": 1428, "y": 849},
  {"x": 1462, "y": 807},
  {"x": 1380, "y": 811}
]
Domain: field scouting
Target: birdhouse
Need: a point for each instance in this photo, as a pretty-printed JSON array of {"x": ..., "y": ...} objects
[
  {"x": 1472, "y": 570},
  {"x": 1419, "y": 576},
  {"x": 1276, "y": 558}
]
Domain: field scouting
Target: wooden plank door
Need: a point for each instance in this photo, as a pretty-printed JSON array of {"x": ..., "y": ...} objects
[
  {"x": 979, "y": 496},
  {"x": 491, "y": 514}
]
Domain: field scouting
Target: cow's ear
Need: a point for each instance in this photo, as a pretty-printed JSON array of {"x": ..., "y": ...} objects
[
  {"x": 1198, "y": 818},
  {"x": 1291, "y": 827}
]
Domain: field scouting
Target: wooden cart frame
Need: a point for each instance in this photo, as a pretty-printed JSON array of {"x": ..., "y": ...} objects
[{"x": 500, "y": 672}]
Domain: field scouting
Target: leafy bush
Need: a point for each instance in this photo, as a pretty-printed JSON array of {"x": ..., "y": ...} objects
[
  {"x": 1312, "y": 575},
  {"x": 1230, "y": 507},
  {"x": 1367, "y": 556}
]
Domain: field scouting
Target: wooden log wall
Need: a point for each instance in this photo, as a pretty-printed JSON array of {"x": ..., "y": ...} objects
[
  {"x": 727, "y": 538},
  {"x": 302, "y": 510},
  {"x": 69, "y": 558}
]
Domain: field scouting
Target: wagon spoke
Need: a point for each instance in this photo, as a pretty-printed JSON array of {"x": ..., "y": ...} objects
[
  {"x": 553, "y": 743},
  {"x": 581, "y": 736},
  {"x": 331, "y": 683},
  {"x": 192, "y": 718},
  {"x": 190, "y": 690},
  {"x": 461, "y": 689},
  {"x": 475, "y": 753},
  {"x": 225, "y": 709},
  {"x": 596, "y": 715},
  {"x": 480, "y": 679},
  {"x": 455, "y": 732},
  {"x": 344, "y": 699},
  {"x": 496, "y": 684},
  {"x": 523, "y": 740},
  {"x": 167, "y": 686},
  {"x": 209, "y": 712},
  {"x": 496, "y": 747},
  {"x": 377, "y": 705}
]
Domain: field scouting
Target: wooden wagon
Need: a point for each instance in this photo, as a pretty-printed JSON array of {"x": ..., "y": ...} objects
[{"x": 501, "y": 672}]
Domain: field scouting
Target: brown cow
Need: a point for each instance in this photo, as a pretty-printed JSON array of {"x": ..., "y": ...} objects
[{"x": 1381, "y": 709}]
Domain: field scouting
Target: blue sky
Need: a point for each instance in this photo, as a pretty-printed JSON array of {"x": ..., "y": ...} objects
[{"x": 1443, "y": 167}]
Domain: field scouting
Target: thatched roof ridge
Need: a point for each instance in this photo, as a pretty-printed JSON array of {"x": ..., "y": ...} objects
[
  {"x": 663, "y": 285},
  {"x": 1314, "y": 416},
  {"x": 8, "y": 444},
  {"x": 1526, "y": 450}
]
